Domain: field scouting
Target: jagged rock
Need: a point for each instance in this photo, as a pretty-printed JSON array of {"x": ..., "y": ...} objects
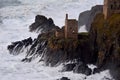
[
  {"x": 40, "y": 19},
  {"x": 16, "y": 47},
  {"x": 63, "y": 78},
  {"x": 96, "y": 70},
  {"x": 82, "y": 68},
  {"x": 86, "y": 18},
  {"x": 26, "y": 60},
  {"x": 54, "y": 57},
  {"x": 69, "y": 67},
  {"x": 42, "y": 24}
]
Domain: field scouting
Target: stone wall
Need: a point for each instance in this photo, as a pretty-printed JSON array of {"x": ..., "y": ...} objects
[
  {"x": 59, "y": 34},
  {"x": 110, "y": 7}
]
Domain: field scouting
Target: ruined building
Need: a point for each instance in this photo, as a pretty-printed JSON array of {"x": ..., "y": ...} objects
[
  {"x": 111, "y": 7},
  {"x": 70, "y": 30}
]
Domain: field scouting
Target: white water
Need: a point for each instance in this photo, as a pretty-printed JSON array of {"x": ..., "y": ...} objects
[{"x": 14, "y": 26}]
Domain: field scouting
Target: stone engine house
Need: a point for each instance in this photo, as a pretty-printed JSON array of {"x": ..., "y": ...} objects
[
  {"x": 70, "y": 30},
  {"x": 111, "y": 7}
]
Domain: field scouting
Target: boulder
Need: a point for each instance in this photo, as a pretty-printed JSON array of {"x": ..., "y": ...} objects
[
  {"x": 40, "y": 19},
  {"x": 83, "y": 69},
  {"x": 69, "y": 67}
]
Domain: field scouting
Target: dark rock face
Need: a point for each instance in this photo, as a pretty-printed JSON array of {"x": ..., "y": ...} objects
[
  {"x": 54, "y": 57},
  {"x": 36, "y": 48},
  {"x": 63, "y": 78},
  {"x": 82, "y": 68},
  {"x": 86, "y": 18},
  {"x": 69, "y": 67},
  {"x": 42, "y": 24},
  {"x": 17, "y": 47},
  {"x": 96, "y": 70},
  {"x": 115, "y": 72},
  {"x": 79, "y": 67}
]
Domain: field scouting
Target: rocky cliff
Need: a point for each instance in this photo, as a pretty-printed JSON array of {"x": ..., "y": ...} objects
[
  {"x": 86, "y": 17},
  {"x": 105, "y": 35}
]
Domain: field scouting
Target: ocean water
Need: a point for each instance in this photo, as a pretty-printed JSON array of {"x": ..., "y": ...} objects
[
  {"x": 15, "y": 18},
  {"x": 4, "y": 3}
]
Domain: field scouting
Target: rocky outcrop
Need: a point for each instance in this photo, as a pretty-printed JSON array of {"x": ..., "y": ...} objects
[
  {"x": 78, "y": 67},
  {"x": 42, "y": 24},
  {"x": 52, "y": 50},
  {"x": 86, "y": 18},
  {"x": 68, "y": 67},
  {"x": 19, "y": 46},
  {"x": 82, "y": 68}
]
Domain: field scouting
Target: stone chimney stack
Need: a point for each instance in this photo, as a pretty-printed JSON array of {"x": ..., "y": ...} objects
[{"x": 66, "y": 16}]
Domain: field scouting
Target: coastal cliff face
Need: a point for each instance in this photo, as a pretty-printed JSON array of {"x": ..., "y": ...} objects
[
  {"x": 86, "y": 18},
  {"x": 105, "y": 37}
]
